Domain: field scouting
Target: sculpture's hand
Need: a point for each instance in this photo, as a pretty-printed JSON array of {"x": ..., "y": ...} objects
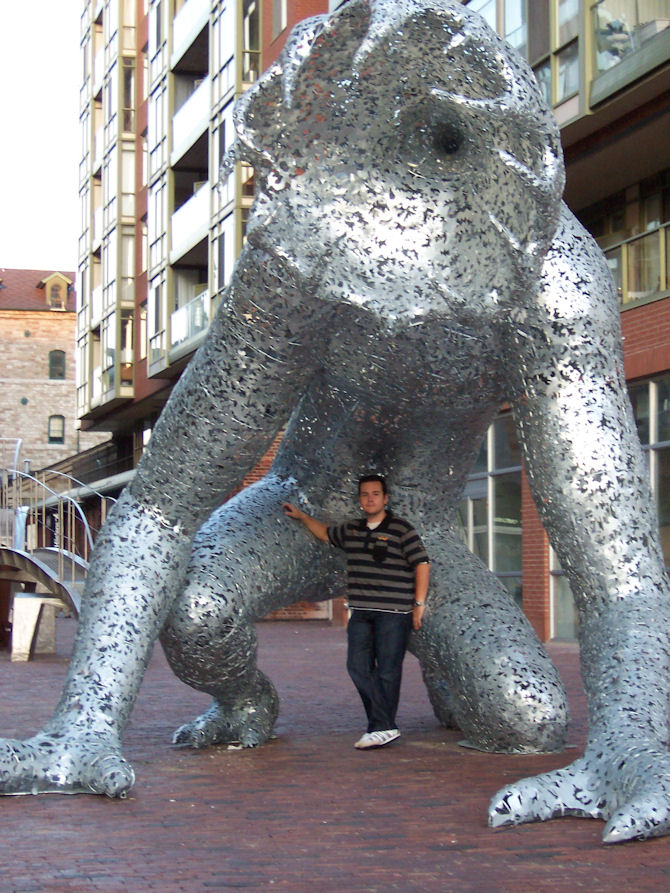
[{"x": 628, "y": 787}]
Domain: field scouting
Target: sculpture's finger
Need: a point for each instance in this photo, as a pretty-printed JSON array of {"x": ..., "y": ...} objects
[{"x": 542, "y": 797}]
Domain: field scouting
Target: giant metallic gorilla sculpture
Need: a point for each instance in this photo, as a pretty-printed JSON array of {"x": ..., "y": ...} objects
[{"x": 409, "y": 267}]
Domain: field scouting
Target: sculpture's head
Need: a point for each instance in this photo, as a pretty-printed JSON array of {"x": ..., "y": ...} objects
[{"x": 402, "y": 146}]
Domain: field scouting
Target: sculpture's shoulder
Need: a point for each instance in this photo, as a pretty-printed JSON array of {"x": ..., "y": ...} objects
[{"x": 576, "y": 286}]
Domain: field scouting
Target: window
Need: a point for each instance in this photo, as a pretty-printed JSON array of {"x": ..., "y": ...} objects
[
  {"x": 57, "y": 296},
  {"x": 128, "y": 75},
  {"x": 633, "y": 229},
  {"x": 56, "y": 429},
  {"x": 486, "y": 9},
  {"x": 279, "y": 17},
  {"x": 568, "y": 71},
  {"x": 57, "y": 364},
  {"x": 516, "y": 30},
  {"x": 490, "y": 513},
  {"x": 251, "y": 56},
  {"x": 621, "y": 27}
]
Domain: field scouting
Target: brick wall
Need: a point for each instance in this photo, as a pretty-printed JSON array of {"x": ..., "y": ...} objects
[
  {"x": 646, "y": 332},
  {"x": 535, "y": 562},
  {"x": 27, "y": 396}
]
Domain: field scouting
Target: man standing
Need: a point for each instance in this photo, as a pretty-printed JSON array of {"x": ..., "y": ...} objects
[{"x": 387, "y": 581}]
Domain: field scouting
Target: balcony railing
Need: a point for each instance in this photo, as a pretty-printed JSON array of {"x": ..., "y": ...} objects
[
  {"x": 190, "y": 19},
  {"x": 191, "y": 222},
  {"x": 191, "y": 320},
  {"x": 192, "y": 118},
  {"x": 623, "y": 26}
]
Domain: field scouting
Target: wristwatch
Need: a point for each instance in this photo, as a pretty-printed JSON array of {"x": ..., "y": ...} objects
[{"x": 419, "y": 604}]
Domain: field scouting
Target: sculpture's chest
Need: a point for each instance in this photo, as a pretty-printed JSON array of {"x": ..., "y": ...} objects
[{"x": 432, "y": 357}]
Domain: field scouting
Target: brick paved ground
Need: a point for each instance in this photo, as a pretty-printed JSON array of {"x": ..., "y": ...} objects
[{"x": 306, "y": 812}]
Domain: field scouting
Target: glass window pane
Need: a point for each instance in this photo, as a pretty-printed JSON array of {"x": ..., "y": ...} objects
[
  {"x": 461, "y": 521},
  {"x": 486, "y": 9},
  {"x": 543, "y": 77},
  {"x": 507, "y": 451},
  {"x": 667, "y": 258},
  {"x": 568, "y": 71},
  {"x": 662, "y": 492},
  {"x": 644, "y": 267},
  {"x": 515, "y": 24},
  {"x": 663, "y": 408},
  {"x": 565, "y": 613},
  {"x": 514, "y": 586},
  {"x": 507, "y": 523},
  {"x": 480, "y": 529},
  {"x": 568, "y": 20},
  {"x": 639, "y": 397},
  {"x": 481, "y": 463},
  {"x": 614, "y": 262},
  {"x": 613, "y": 37}
]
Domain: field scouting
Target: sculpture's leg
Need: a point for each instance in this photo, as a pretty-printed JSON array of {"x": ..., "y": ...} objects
[
  {"x": 485, "y": 669},
  {"x": 222, "y": 416},
  {"x": 246, "y": 561}
]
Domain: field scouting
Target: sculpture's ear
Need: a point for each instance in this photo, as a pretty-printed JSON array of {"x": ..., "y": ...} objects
[{"x": 317, "y": 57}]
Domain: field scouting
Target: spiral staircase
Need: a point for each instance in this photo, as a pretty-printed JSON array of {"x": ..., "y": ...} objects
[{"x": 45, "y": 543}]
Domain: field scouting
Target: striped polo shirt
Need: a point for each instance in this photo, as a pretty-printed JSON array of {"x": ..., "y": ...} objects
[{"x": 380, "y": 562}]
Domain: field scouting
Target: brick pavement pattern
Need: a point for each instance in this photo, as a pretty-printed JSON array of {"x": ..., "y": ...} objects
[{"x": 307, "y": 812}]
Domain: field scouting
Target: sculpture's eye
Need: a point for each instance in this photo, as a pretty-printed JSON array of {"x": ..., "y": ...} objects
[{"x": 447, "y": 138}]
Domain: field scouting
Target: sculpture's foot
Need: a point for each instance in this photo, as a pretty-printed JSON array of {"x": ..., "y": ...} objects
[
  {"x": 248, "y": 722},
  {"x": 69, "y": 763},
  {"x": 629, "y": 788}
]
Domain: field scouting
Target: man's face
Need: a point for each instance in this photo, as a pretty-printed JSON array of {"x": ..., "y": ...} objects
[{"x": 372, "y": 498}]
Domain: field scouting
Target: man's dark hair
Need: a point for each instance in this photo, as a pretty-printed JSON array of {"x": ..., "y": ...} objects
[{"x": 369, "y": 478}]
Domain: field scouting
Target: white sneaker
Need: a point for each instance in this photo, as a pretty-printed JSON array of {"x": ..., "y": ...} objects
[{"x": 377, "y": 739}]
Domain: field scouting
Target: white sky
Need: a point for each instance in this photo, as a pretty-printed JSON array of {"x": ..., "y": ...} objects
[{"x": 40, "y": 75}]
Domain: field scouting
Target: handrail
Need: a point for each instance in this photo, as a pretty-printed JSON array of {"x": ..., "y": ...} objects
[
  {"x": 61, "y": 497},
  {"x": 79, "y": 484}
]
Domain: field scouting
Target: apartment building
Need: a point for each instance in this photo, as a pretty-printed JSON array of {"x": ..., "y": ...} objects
[{"x": 159, "y": 233}]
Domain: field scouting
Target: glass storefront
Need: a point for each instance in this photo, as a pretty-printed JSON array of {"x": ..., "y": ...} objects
[{"x": 490, "y": 513}]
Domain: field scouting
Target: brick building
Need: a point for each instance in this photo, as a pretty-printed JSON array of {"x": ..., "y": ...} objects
[{"x": 37, "y": 383}]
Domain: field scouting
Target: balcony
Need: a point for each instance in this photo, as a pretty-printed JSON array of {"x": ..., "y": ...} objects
[
  {"x": 188, "y": 323},
  {"x": 190, "y": 223},
  {"x": 96, "y": 305},
  {"x": 97, "y": 227},
  {"x": 187, "y": 25},
  {"x": 640, "y": 266},
  {"x": 630, "y": 39},
  {"x": 191, "y": 120},
  {"x": 98, "y": 71},
  {"x": 97, "y": 149}
]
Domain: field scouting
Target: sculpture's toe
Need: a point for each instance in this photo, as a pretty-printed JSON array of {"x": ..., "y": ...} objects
[
  {"x": 542, "y": 797},
  {"x": 65, "y": 764},
  {"x": 648, "y": 815},
  {"x": 247, "y": 725}
]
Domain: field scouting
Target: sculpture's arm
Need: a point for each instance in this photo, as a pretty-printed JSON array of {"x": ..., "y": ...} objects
[{"x": 590, "y": 484}]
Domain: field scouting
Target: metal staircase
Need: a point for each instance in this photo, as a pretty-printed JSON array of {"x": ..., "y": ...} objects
[{"x": 45, "y": 543}]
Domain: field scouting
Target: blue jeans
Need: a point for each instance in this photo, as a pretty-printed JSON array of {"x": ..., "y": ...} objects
[{"x": 377, "y": 641}]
